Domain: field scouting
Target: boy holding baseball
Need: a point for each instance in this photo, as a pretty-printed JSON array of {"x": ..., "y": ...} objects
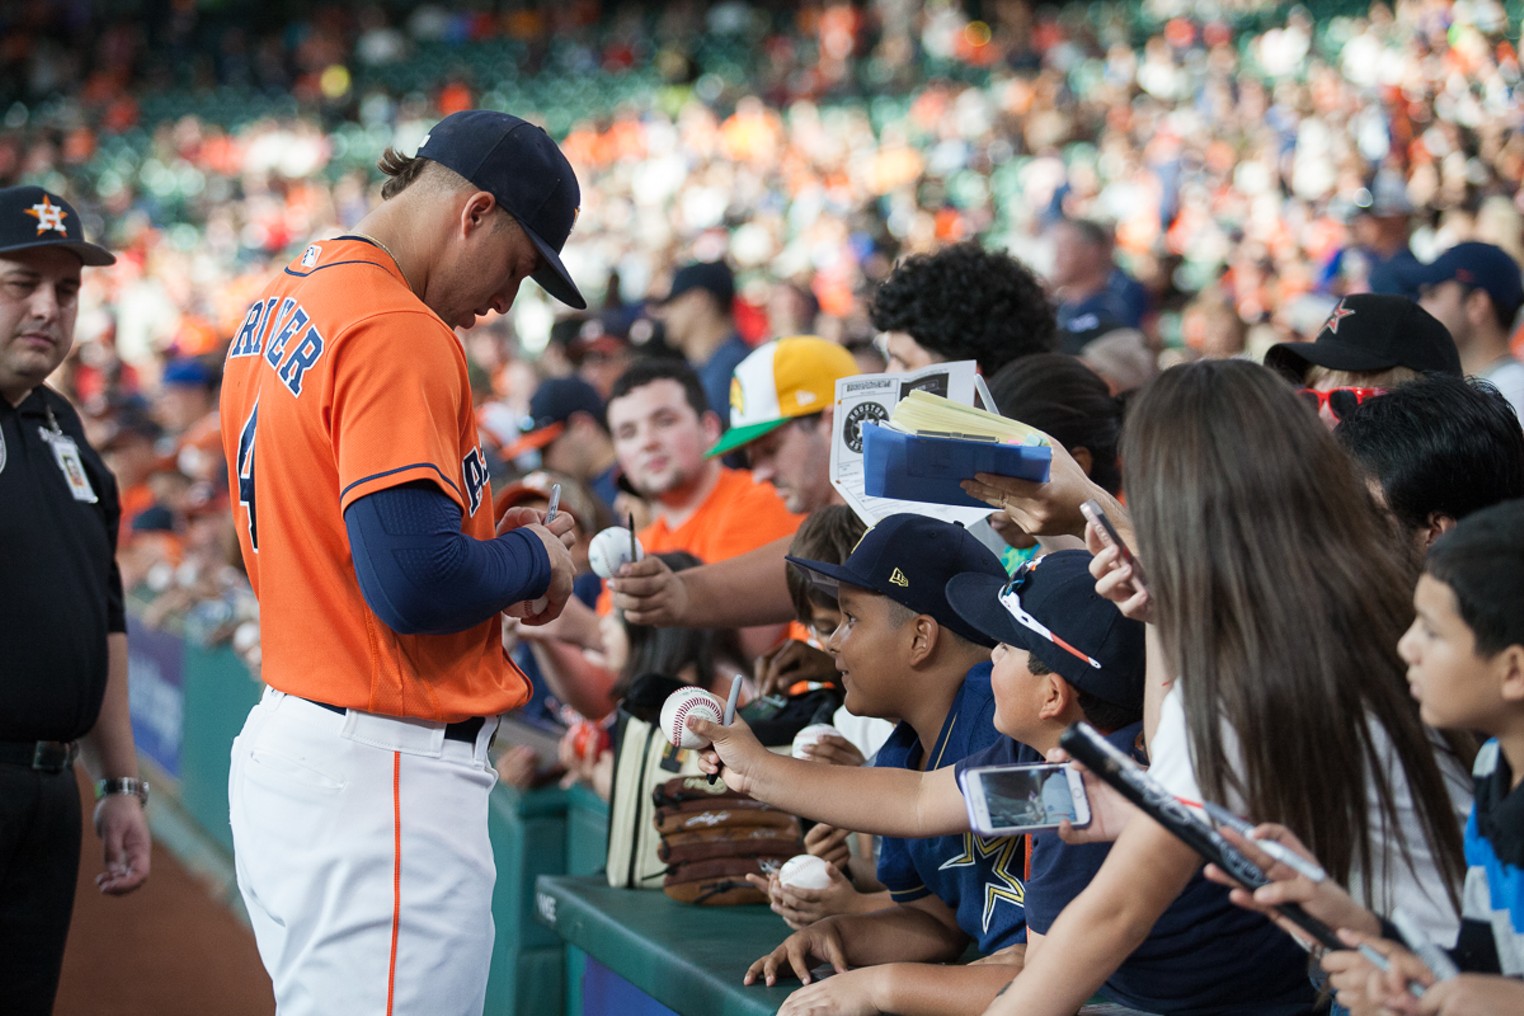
[
  {"x": 1063, "y": 654},
  {"x": 903, "y": 653}
]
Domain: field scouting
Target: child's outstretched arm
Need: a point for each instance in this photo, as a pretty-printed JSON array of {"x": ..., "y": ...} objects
[{"x": 887, "y": 802}]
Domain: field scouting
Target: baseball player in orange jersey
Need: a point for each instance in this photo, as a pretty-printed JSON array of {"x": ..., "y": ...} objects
[{"x": 359, "y": 783}]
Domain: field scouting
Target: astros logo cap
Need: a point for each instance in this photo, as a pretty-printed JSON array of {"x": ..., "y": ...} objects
[
  {"x": 519, "y": 165},
  {"x": 1371, "y": 332},
  {"x": 779, "y": 381},
  {"x": 910, "y": 559},
  {"x": 31, "y": 217}
]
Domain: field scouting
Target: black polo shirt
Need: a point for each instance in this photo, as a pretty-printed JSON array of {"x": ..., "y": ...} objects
[{"x": 60, "y": 591}]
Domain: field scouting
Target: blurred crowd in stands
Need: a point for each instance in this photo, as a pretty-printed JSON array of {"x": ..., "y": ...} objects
[{"x": 1247, "y": 163}]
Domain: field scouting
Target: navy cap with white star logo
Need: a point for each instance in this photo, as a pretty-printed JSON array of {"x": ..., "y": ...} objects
[{"x": 32, "y": 218}]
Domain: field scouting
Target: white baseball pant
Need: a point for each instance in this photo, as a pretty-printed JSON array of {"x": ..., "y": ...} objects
[{"x": 361, "y": 849}]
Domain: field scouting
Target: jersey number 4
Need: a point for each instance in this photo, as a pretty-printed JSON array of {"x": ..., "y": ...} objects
[{"x": 246, "y": 474}]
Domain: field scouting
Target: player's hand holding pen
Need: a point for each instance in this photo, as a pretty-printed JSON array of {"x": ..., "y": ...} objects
[{"x": 557, "y": 534}]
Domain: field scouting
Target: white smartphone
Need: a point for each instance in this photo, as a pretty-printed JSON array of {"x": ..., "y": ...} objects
[{"x": 1015, "y": 799}]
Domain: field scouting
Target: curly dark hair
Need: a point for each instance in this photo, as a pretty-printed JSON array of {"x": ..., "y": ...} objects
[{"x": 967, "y": 303}]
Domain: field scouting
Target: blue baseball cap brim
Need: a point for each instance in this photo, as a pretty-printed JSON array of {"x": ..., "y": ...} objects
[
  {"x": 553, "y": 277},
  {"x": 909, "y": 558}
]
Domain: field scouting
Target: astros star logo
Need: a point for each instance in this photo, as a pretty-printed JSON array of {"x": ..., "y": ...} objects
[
  {"x": 999, "y": 853},
  {"x": 48, "y": 215},
  {"x": 1339, "y": 314}
]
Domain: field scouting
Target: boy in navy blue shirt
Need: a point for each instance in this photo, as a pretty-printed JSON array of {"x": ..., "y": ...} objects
[
  {"x": 904, "y": 654},
  {"x": 1064, "y": 654}
]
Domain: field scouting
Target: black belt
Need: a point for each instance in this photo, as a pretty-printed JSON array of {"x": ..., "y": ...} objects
[
  {"x": 44, "y": 756},
  {"x": 461, "y": 730}
]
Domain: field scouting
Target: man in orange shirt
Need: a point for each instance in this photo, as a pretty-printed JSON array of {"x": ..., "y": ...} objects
[
  {"x": 662, "y": 429},
  {"x": 358, "y": 790}
]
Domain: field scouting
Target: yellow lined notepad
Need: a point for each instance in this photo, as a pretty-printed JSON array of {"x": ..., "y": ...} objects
[{"x": 924, "y": 413}]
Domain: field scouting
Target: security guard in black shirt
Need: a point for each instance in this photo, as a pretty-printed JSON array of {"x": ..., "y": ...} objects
[{"x": 63, "y": 641}]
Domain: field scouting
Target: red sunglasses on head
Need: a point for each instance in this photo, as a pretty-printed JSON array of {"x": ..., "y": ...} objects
[{"x": 1339, "y": 400}]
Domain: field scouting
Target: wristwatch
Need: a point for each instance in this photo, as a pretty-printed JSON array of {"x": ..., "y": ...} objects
[{"x": 123, "y": 785}]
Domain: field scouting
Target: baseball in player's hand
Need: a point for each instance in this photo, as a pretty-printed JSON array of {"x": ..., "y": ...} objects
[
  {"x": 125, "y": 842},
  {"x": 557, "y": 538}
]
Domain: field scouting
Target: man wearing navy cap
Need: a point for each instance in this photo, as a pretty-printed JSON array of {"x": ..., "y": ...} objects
[
  {"x": 358, "y": 788},
  {"x": 63, "y": 631},
  {"x": 1475, "y": 290},
  {"x": 697, "y": 313},
  {"x": 567, "y": 426}
]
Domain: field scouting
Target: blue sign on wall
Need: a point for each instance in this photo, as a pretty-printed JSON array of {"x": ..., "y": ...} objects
[{"x": 156, "y": 692}]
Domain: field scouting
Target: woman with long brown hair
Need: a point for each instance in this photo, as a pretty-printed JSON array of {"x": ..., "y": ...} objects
[{"x": 1278, "y": 601}]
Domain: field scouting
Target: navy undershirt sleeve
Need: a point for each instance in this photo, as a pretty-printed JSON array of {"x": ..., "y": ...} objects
[{"x": 422, "y": 576}]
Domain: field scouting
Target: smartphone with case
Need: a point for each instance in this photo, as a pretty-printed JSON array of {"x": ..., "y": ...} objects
[
  {"x": 1016, "y": 799},
  {"x": 1096, "y": 515}
]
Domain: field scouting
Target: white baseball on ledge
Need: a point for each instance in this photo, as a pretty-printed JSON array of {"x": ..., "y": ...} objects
[
  {"x": 805, "y": 871},
  {"x": 684, "y": 703}
]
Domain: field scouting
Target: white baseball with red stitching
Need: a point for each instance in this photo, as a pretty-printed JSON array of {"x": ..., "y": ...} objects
[
  {"x": 679, "y": 706},
  {"x": 805, "y": 871}
]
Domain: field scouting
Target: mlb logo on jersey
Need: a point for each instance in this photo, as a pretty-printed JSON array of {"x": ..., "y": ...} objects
[{"x": 310, "y": 255}]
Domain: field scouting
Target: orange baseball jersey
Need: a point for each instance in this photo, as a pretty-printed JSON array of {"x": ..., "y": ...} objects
[{"x": 340, "y": 383}]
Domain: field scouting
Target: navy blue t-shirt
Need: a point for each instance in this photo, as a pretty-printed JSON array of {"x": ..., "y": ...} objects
[
  {"x": 980, "y": 879},
  {"x": 1203, "y": 955}
]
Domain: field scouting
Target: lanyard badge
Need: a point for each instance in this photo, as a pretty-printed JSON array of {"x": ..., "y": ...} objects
[{"x": 66, "y": 454}]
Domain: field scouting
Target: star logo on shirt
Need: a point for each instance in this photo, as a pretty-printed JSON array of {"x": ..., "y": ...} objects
[
  {"x": 48, "y": 215},
  {"x": 1339, "y": 314},
  {"x": 1000, "y": 852}
]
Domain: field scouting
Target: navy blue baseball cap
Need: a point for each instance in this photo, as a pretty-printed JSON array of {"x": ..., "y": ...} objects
[
  {"x": 550, "y": 407},
  {"x": 1050, "y": 608},
  {"x": 1371, "y": 332},
  {"x": 713, "y": 277},
  {"x": 910, "y": 558},
  {"x": 31, "y": 218},
  {"x": 1479, "y": 266},
  {"x": 519, "y": 165}
]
